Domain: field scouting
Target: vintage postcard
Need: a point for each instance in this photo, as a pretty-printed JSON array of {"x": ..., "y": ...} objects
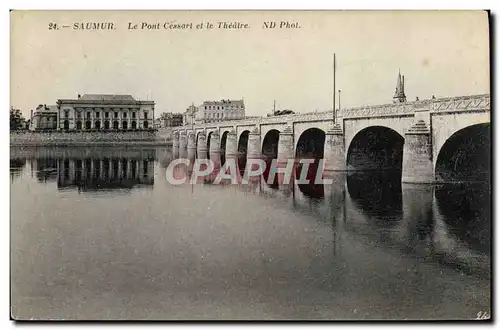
[{"x": 250, "y": 165}]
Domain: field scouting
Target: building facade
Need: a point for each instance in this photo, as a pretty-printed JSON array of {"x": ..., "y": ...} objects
[
  {"x": 96, "y": 112},
  {"x": 216, "y": 111},
  {"x": 44, "y": 118},
  {"x": 188, "y": 117}
]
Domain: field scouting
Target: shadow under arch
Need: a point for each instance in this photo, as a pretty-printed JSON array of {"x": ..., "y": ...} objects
[
  {"x": 196, "y": 139},
  {"x": 270, "y": 152},
  {"x": 242, "y": 150},
  {"x": 209, "y": 137},
  {"x": 310, "y": 145},
  {"x": 465, "y": 156},
  {"x": 223, "y": 141},
  {"x": 376, "y": 148}
]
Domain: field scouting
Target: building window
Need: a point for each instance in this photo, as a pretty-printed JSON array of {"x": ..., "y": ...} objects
[
  {"x": 88, "y": 115},
  {"x": 145, "y": 115},
  {"x": 66, "y": 113},
  {"x": 116, "y": 114},
  {"x": 97, "y": 125},
  {"x": 106, "y": 124},
  {"x": 78, "y": 124},
  {"x": 124, "y": 125},
  {"x": 134, "y": 124},
  {"x": 88, "y": 124},
  {"x": 106, "y": 114},
  {"x": 145, "y": 124},
  {"x": 133, "y": 114},
  {"x": 97, "y": 114},
  {"x": 115, "y": 124},
  {"x": 79, "y": 114},
  {"x": 124, "y": 115},
  {"x": 66, "y": 124}
]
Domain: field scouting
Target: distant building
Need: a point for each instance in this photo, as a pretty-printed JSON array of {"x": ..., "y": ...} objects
[
  {"x": 214, "y": 111},
  {"x": 157, "y": 123},
  {"x": 44, "y": 118},
  {"x": 169, "y": 119},
  {"x": 188, "y": 117},
  {"x": 399, "y": 94},
  {"x": 95, "y": 112}
]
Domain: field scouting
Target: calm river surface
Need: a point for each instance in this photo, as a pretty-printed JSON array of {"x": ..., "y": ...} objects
[{"x": 100, "y": 234}]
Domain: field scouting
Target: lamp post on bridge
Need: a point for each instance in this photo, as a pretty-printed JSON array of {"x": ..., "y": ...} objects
[
  {"x": 340, "y": 91},
  {"x": 334, "y": 91}
]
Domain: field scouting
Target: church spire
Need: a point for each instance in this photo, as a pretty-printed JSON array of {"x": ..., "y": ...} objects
[{"x": 399, "y": 94}]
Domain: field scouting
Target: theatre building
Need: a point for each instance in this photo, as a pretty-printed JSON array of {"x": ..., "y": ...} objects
[{"x": 105, "y": 112}]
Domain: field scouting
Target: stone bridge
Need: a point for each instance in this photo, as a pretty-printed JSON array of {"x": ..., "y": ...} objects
[{"x": 426, "y": 141}]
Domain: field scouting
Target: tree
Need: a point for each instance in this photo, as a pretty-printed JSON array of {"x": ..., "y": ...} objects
[{"x": 16, "y": 119}]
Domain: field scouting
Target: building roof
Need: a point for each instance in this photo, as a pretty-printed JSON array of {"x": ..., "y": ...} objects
[
  {"x": 106, "y": 97},
  {"x": 46, "y": 108},
  {"x": 223, "y": 102}
]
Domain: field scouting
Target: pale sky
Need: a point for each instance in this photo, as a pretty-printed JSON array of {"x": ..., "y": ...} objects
[{"x": 442, "y": 53}]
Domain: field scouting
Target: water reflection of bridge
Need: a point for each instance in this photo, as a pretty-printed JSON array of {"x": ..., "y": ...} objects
[{"x": 439, "y": 223}]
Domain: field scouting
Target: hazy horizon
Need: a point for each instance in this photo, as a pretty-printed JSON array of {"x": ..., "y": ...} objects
[{"x": 440, "y": 53}]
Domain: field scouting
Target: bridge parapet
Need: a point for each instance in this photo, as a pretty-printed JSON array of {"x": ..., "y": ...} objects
[
  {"x": 463, "y": 103},
  {"x": 450, "y": 104}
]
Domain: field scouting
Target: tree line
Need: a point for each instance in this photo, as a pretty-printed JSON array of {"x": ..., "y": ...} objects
[{"x": 17, "y": 121}]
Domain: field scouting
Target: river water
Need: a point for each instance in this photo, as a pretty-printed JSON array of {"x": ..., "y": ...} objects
[{"x": 100, "y": 234}]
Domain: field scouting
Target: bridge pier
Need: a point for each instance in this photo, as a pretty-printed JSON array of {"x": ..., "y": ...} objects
[
  {"x": 285, "y": 151},
  {"x": 182, "y": 140},
  {"x": 191, "y": 143},
  {"x": 417, "y": 155},
  {"x": 231, "y": 144},
  {"x": 202, "y": 145},
  {"x": 253, "y": 152},
  {"x": 175, "y": 140},
  {"x": 253, "y": 149},
  {"x": 214, "y": 142},
  {"x": 334, "y": 154}
]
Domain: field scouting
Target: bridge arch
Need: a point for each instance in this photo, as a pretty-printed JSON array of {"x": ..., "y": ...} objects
[
  {"x": 270, "y": 152},
  {"x": 376, "y": 148},
  {"x": 465, "y": 155},
  {"x": 243, "y": 142},
  {"x": 310, "y": 145},
  {"x": 449, "y": 124},
  {"x": 270, "y": 144}
]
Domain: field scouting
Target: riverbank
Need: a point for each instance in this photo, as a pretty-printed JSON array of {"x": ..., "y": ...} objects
[{"x": 95, "y": 138}]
